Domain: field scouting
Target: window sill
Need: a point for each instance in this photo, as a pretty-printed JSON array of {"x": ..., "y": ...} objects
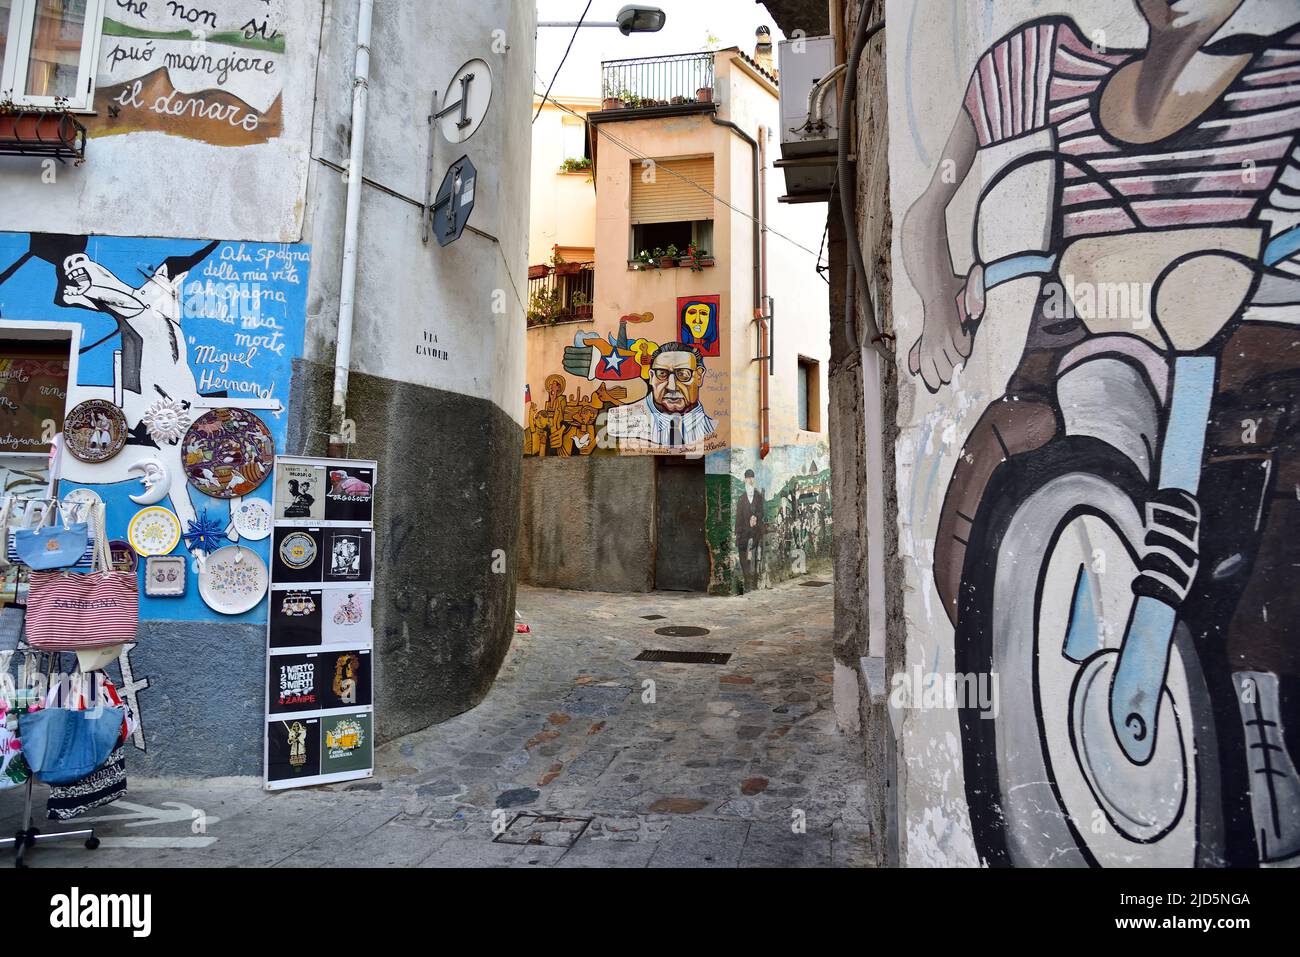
[{"x": 655, "y": 267}]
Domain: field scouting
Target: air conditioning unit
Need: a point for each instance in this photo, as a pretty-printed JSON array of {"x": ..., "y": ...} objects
[{"x": 809, "y": 134}]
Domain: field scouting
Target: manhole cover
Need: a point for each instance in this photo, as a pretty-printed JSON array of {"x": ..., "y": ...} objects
[
  {"x": 654, "y": 617},
  {"x": 543, "y": 829},
  {"x": 814, "y": 584},
  {"x": 681, "y": 631},
  {"x": 685, "y": 657}
]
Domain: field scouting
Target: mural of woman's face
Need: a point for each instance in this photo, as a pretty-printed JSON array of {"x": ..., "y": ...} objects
[
  {"x": 1203, "y": 17},
  {"x": 698, "y": 316}
]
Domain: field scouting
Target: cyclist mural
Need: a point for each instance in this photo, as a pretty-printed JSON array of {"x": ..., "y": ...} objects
[{"x": 1117, "y": 540}]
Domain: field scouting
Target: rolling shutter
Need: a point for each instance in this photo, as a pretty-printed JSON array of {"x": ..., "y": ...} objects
[{"x": 673, "y": 198}]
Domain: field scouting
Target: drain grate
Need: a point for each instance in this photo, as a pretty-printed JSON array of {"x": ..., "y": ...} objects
[
  {"x": 814, "y": 584},
  {"x": 682, "y": 631},
  {"x": 544, "y": 829},
  {"x": 654, "y": 617},
  {"x": 685, "y": 657}
]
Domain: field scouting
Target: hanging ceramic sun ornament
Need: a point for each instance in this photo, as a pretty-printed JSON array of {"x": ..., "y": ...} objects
[
  {"x": 205, "y": 534},
  {"x": 166, "y": 421}
]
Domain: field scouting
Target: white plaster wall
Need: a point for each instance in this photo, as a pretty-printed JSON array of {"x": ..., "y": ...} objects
[
  {"x": 465, "y": 299},
  {"x": 932, "y": 47},
  {"x": 156, "y": 184}
]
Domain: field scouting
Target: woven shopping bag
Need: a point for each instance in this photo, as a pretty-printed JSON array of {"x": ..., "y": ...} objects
[{"x": 75, "y": 611}]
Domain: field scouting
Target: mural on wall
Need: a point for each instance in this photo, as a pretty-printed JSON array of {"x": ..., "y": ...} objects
[
  {"x": 651, "y": 396},
  {"x": 1116, "y": 543},
  {"x": 769, "y": 519},
  {"x": 210, "y": 71},
  {"x": 698, "y": 323},
  {"x": 169, "y": 330}
]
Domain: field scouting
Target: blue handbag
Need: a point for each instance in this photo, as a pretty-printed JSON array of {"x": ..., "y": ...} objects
[
  {"x": 63, "y": 746},
  {"x": 57, "y": 545}
]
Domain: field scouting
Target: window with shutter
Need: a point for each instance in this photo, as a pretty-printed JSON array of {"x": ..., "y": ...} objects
[{"x": 672, "y": 191}]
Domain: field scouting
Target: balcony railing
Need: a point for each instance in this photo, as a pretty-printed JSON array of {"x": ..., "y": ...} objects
[
  {"x": 564, "y": 293},
  {"x": 685, "y": 79}
]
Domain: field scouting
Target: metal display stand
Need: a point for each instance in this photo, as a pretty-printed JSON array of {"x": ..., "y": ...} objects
[{"x": 28, "y": 835}]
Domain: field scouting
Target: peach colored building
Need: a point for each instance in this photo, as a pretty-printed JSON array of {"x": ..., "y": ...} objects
[{"x": 678, "y": 338}]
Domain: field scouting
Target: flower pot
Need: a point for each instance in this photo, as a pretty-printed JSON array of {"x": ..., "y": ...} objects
[
  {"x": 568, "y": 269},
  {"x": 538, "y": 272},
  {"x": 583, "y": 312},
  {"x": 611, "y": 103},
  {"x": 704, "y": 94},
  {"x": 667, "y": 262}
]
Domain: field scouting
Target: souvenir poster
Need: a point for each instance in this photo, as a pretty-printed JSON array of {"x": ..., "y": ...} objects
[
  {"x": 293, "y": 748},
  {"x": 348, "y": 554},
  {"x": 346, "y": 743},
  {"x": 300, "y": 492},
  {"x": 296, "y": 555},
  {"x": 346, "y": 681},
  {"x": 349, "y": 496},
  {"x": 320, "y": 631},
  {"x": 346, "y": 618},
  {"x": 295, "y": 683},
  {"x": 296, "y": 618}
]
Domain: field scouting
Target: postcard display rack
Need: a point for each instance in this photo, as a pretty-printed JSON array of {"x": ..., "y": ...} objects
[{"x": 319, "y": 676}]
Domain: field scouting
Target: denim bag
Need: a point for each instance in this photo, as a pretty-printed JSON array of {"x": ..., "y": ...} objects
[
  {"x": 58, "y": 545},
  {"x": 63, "y": 746}
]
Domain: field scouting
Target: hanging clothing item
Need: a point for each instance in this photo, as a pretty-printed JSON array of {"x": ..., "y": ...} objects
[
  {"x": 13, "y": 767},
  {"x": 98, "y": 788}
]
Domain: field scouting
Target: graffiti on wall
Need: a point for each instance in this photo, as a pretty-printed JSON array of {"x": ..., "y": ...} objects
[
  {"x": 1116, "y": 542},
  {"x": 646, "y": 396},
  {"x": 169, "y": 329},
  {"x": 210, "y": 71}
]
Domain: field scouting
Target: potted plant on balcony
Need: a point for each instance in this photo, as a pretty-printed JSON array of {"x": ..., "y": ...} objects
[
  {"x": 544, "y": 307},
  {"x": 582, "y": 307},
  {"x": 704, "y": 94},
  {"x": 562, "y": 266},
  {"x": 643, "y": 260},
  {"x": 53, "y": 130},
  {"x": 698, "y": 258},
  {"x": 667, "y": 257},
  {"x": 539, "y": 272}
]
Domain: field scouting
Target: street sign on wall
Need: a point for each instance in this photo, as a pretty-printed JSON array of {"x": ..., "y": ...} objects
[{"x": 455, "y": 201}]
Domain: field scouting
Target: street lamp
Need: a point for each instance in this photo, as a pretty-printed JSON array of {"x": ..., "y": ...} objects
[{"x": 631, "y": 19}]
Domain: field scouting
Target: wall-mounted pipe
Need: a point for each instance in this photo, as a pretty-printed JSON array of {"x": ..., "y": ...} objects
[
  {"x": 846, "y": 186},
  {"x": 765, "y": 337},
  {"x": 351, "y": 224}
]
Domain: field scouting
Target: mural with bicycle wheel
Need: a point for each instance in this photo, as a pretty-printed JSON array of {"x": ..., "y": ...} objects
[{"x": 1098, "y": 303}]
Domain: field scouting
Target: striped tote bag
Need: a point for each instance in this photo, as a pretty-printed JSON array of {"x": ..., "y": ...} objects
[{"x": 75, "y": 611}]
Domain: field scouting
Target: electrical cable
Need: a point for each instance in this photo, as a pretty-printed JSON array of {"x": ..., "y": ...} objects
[{"x": 547, "y": 95}]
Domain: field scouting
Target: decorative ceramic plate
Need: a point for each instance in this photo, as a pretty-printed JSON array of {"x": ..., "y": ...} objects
[
  {"x": 252, "y": 519},
  {"x": 124, "y": 556},
  {"x": 233, "y": 580},
  {"x": 95, "y": 430},
  {"x": 164, "y": 576},
  {"x": 154, "y": 531},
  {"x": 82, "y": 499},
  {"x": 228, "y": 452},
  {"x": 298, "y": 550}
]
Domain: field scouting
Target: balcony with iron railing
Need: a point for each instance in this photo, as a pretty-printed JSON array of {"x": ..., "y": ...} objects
[
  {"x": 563, "y": 292},
  {"x": 682, "y": 82}
]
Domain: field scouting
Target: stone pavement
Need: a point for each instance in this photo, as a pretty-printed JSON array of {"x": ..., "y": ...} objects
[{"x": 579, "y": 757}]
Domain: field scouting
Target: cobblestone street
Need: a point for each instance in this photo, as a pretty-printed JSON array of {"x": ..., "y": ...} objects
[{"x": 586, "y": 757}]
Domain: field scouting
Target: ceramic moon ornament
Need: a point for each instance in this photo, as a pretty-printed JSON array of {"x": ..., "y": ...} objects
[{"x": 157, "y": 481}]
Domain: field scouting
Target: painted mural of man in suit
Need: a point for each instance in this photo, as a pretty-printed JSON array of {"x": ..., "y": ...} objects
[{"x": 749, "y": 530}]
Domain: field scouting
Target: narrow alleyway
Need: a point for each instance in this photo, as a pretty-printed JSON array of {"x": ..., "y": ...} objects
[{"x": 585, "y": 756}]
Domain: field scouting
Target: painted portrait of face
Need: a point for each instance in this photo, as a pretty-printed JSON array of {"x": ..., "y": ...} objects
[
  {"x": 698, "y": 323},
  {"x": 675, "y": 379}
]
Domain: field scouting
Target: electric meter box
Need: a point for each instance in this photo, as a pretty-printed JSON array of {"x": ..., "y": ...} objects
[{"x": 803, "y": 62}]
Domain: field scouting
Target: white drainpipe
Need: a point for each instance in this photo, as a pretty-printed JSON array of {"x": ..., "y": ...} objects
[{"x": 348, "y": 281}]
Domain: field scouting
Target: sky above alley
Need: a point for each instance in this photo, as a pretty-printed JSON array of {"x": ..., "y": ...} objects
[{"x": 690, "y": 23}]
